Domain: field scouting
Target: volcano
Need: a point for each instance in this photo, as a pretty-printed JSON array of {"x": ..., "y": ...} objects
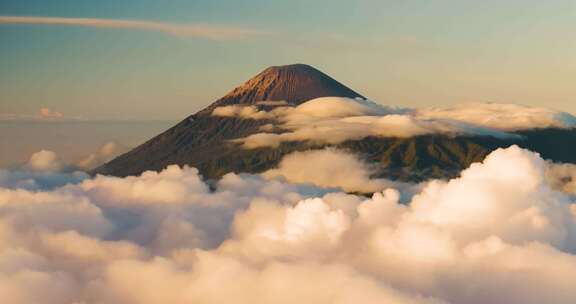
[
  {"x": 205, "y": 141},
  {"x": 200, "y": 140}
]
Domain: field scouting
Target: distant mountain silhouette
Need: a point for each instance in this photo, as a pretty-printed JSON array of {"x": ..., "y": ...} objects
[{"x": 202, "y": 140}]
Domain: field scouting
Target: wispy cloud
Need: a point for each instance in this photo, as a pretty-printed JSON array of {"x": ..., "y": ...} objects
[{"x": 211, "y": 32}]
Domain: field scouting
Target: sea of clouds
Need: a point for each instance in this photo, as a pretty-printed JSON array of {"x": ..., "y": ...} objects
[
  {"x": 502, "y": 232},
  {"x": 332, "y": 120}
]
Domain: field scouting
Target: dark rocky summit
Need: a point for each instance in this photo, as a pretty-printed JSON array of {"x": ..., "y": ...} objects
[{"x": 203, "y": 140}]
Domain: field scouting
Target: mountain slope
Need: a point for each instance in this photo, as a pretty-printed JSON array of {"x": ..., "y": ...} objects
[{"x": 203, "y": 140}]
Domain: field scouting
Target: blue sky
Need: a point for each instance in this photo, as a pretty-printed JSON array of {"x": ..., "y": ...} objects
[{"x": 408, "y": 53}]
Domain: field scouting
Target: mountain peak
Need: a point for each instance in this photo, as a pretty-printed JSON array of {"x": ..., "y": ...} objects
[
  {"x": 296, "y": 68},
  {"x": 294, "y": 83}
]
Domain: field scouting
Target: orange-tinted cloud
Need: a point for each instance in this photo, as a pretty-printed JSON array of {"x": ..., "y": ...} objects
[{"x": 50, "y": 114}]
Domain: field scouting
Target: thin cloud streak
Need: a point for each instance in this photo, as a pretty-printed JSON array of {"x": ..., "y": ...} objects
[{"x": 179, "y": 30}]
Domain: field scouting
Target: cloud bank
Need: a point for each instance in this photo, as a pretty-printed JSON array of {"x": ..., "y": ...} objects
[
  {"x": 332, "y": 120},
  {"x": 500, "y": 233},
  {"x": 178, "y": 30},
  {"x": 506, "y": 117}
]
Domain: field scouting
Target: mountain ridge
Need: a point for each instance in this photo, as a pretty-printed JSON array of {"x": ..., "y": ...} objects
[{"x": 203, "y": 140}]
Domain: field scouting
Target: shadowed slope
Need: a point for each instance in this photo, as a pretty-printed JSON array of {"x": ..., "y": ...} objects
[{"x": 199, "y": 139}]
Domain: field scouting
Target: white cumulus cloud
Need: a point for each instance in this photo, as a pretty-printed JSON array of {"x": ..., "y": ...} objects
[{"x": 45, "y": 160}]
